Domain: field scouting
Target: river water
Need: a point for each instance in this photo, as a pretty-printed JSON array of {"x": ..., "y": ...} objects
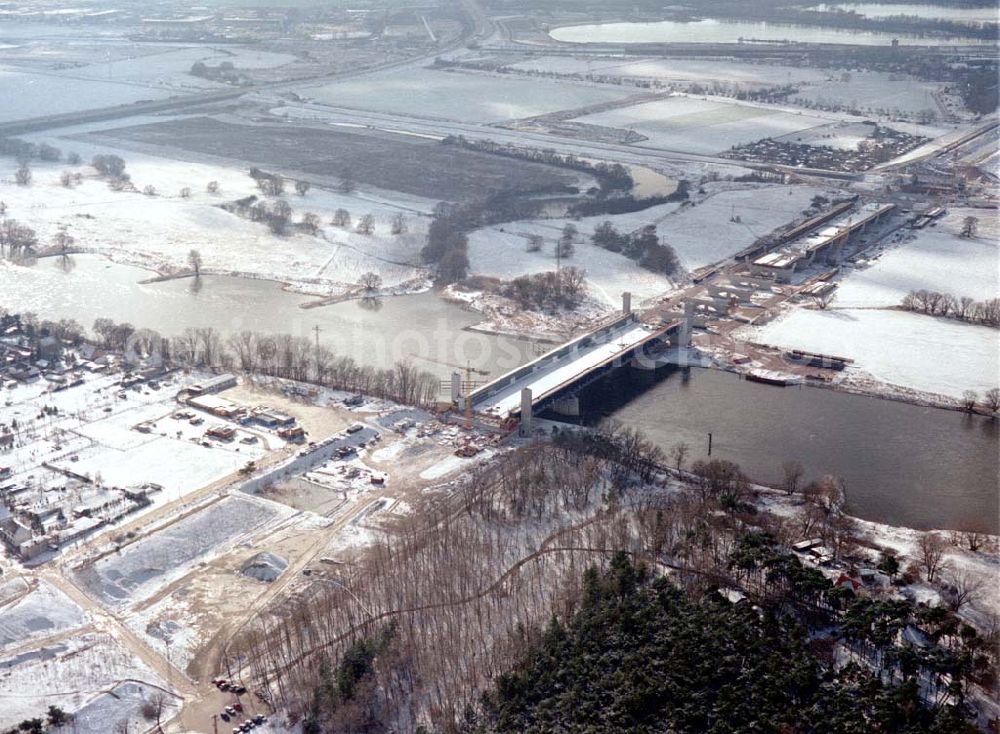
[
  {"x": 903, "y": 464},
  {"x": 420, "y": 327},
  {"x": 709, "y": 30}
]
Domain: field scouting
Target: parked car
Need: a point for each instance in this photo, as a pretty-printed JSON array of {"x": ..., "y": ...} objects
[{"x": 224, "y": 716}]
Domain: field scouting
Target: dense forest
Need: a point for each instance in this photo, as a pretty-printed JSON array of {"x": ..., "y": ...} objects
[{"x": 642, "y": 656}]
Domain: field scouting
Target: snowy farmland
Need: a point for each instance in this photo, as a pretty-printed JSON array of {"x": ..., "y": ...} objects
[
  {"x": 119, "y": 76},
  {"x": 702, "y": 234},
  {"x": 42, "y": 611},
  {"x": 139, "y": 569},
  {"x": 923, "y": 353},
  {"x": 934, "y": 259},
  {"x": 67, "y": 674},
  {"x": 872, "y": 90},
  {"x": 484, "y": 98},
  {"x": 158, "y": 232},
  {"x": 703, "y": 126},
  {"x": 706, "y": 233},
  {"x": 170, "y": 67}
]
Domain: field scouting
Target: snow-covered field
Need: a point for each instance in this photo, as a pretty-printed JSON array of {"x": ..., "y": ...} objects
[
  {"x": 705, "y": 233},
  {"x": 43, "y": 611},
  {"x": 844, "y": 135},
  {"x": 875, "y": 90},
  {"x": 460, "y": 96},
  {"x": 112, "y": 76},
  {"x": 140, "y": 568},
  {"x": 701, "y": 234},
  {"x": 500, "y": 252},
  {"x": 915, "y": 351},
  {"x": 702, "y": 126},
  {"x": 170, "y": 68},
  {"x": 68, "y": 675},
  {"x": 932, "y": 355},
  {"x": 122, "y": 703},
  {"x": 158, "y": 232},
  {"x": 934, "y": 259},
  {"x": 176, "y": 465}
]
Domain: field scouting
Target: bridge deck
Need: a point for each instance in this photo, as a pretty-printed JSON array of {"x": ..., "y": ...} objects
[{"x": 559, "y": 370}]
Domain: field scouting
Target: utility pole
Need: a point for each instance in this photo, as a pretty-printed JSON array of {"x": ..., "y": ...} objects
[
  {"x": 710, "y": 444},
  {"x": 317, "y": 330},
  {"x": 468, "y": 393}
]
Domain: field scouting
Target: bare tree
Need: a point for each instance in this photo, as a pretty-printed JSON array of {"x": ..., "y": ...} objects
[
  {"x": 194, "y": 260},
  {"x": 64, "y": 241},
  {"x": 302, "y": 187},
  {"x": 212, "y": 187},
  {"x": 963, "y": 588},
  {"x": 23, "y": 175},
  {"x": 679, "y": 454},
  {"x": 535, "y": 243},
  {"x": 186, "y": 193},
  {"x": 310, "y": 222},
  {"x": 793, "y": 472},
  {"x": 149, "y": 190},
  {"x": 66, "y": 179},
  {"x": 370, "y": 281},
  {"x": 823, "y": 300},
  {"x": 993, "y": 399},
  {"x": 969, "y": 400},
  {"x": 398, "y": 224},
  {"x": 341, "y": 218},
  {"x": 930, "y": 554},
  {"x": 970, "y": 226},
  {"x": 366, "y": 225},
  {"x": 565, "y": 247}
]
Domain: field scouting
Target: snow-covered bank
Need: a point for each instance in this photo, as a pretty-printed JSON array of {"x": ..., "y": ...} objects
[
  {"x": 931, "y": 355},
  {"x": 504, "y": 316}
]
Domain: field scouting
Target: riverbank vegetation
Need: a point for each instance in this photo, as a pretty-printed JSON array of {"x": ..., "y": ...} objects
[
  {"x": 934, "y": 303},
  {"x": 274, "y": 355}
]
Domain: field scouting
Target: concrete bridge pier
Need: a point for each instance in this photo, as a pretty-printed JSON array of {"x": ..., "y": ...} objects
[
  {"x": 524, "y": 427},
  {"x": 569, "y": 407}
]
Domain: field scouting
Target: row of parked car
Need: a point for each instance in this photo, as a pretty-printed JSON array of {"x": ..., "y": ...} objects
[{"x": 235, "y": 710}]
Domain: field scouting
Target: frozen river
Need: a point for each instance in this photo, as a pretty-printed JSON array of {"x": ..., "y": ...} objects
[{"x": 708, "y": 30}]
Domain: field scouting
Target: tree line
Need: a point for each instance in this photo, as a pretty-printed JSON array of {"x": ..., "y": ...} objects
[
  {"x": 274, "y": 355},
  {"x": 964, "y": 308}
]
